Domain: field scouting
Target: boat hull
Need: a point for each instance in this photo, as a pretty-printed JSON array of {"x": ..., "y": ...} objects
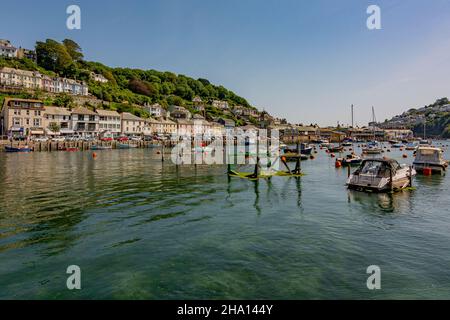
[
  {"x": 435, "y": 168},
  {"x": 13, "y": 149}
]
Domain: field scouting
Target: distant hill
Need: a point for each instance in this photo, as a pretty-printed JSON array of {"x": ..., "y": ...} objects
[
  {"x": 125, "y": 85},
  {"x": 435, "y": 116}
]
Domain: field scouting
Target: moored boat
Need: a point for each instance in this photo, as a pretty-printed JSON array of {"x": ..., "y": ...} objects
[
  {"x": 372, "y": 148},
  {"x": 98, "y": 147},
  {"x": 429, "y": 158},
  {"x": 305, "y": 149},
  {"x": 411, "y": 146},
  {"x": 350, "y": 160},
  {"x": 380, "y": 175},
  {"x": 339, "y": 148},
  {"x": 126, "y": 146},
  {"x": 18, "y": 149}
]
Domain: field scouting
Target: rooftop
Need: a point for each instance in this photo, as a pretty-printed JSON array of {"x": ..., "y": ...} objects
[
  {"x": 132, "y": 117},
  {"x": 83, "y": 110},
  {"x": 111, "y": 113}
]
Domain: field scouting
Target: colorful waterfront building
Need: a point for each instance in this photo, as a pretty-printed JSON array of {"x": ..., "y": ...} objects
[{"x": 22, "y": 117}]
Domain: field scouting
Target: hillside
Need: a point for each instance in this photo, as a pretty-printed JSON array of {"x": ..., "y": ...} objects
[
  {"x": 126, "y": 87},
  {"x": 435, "y": 116}
]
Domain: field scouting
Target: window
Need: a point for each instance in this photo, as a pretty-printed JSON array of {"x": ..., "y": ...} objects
[
  {"x": 36, "y": 122},
  {"x": 16, "y": 121},
  {"x": 16, "y": 112}
]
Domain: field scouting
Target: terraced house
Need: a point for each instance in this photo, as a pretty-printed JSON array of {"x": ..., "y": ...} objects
[
  {"x": 10, "y": 77},
  {"x": 85, "y": 122},
  {"x": 109, "y": 122},
  {"x": 20, "y": 78},
  {"x": 132, "y": 125},
  {"x": 57, "y": 121},
  {"x": 22, "y": 117}
]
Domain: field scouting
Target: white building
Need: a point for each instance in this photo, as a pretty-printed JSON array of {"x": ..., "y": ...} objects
[
  {"x": 85, "y": 121},
  {"x": 57, "y": 117},
  {"x": 98, "y": 77},
  {"x": 109, "y": 121},
  {"x": 7, "y": 49},
  {"x": 156, "y": 110},
  {"x": 223, "y": 105}
]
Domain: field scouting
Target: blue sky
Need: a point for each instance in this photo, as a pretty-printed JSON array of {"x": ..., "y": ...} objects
[{"x": 307, "y": 61}]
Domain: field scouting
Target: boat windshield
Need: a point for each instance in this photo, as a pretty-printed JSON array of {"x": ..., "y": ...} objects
[
  {"x": 428, "y": 155},
  {"x": 375, "y": 168}
]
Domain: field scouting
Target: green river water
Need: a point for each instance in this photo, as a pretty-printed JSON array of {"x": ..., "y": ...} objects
[{"x": 140, "y": 229}]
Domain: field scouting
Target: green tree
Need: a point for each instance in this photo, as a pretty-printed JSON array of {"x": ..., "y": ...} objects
[
  {"x": 53, "y": 56},
  {"x": 73, "y": 49},
  {"x": 64, "y": 100},
  {"x": 54, "y": 127}
]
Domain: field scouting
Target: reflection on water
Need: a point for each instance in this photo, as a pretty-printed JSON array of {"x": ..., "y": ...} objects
[
  {"x": 381, "y": 202},
  {"x": 140, "y": 228}
]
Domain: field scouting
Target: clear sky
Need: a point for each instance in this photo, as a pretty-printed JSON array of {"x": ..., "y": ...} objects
[{"x": 307, "y": 61}]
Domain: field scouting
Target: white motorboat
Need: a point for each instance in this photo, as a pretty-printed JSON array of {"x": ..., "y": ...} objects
[
  {"x": 381, "y": 175},
  {"x": 431, "y": 158}
]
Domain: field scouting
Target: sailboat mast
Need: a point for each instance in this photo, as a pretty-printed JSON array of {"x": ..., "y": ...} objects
[
  {"x": 373, "y": 122},
  {"x": 352, "y": 116}
]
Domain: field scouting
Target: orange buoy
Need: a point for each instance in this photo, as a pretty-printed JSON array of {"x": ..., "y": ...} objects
[
  {"x": 405, "y": 155},
  {"x": 338, "y": 164},
  {"x": 427, "y": 171},
  {"x": 94, "y": 155},
  {"x": 283, "y": 158}
]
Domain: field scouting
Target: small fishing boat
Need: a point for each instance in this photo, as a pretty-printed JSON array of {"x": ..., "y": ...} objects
[
  {"x": 381, "y": 175},
  {"x": 305, "y": 149},
  {"x": 398, "y": 145},
  {"x": 126, "y": 146},
  {"x": 350, "y": 160},
  {"x": 411, "y": 146},
  {"x": 97, "y": 147},
  {"x": 430, "y": 158},
  {"x": 339, "y": 148},
  {"x": 18, "y": 149},
  {"x": 372, "y": 148}
]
